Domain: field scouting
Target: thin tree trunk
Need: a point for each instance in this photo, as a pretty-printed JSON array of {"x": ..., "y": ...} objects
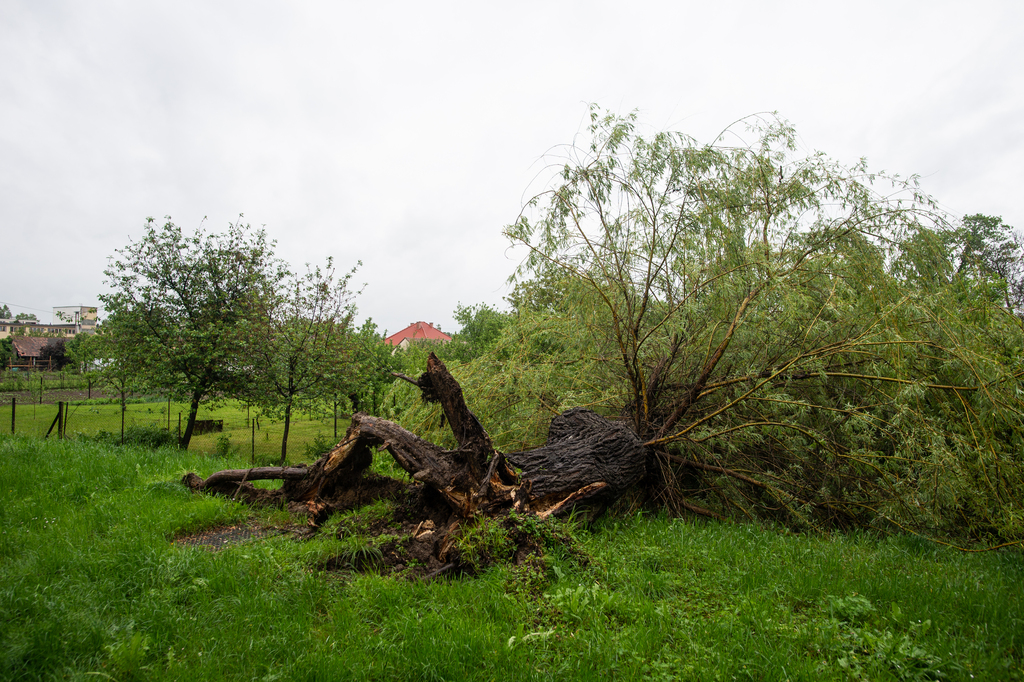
[
  {"x": 123, "y": 408},
  {"x": 193, "y": 410},
  {"x": 287, "y": 426}
]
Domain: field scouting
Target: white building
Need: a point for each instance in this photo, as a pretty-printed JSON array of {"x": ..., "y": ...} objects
[{"x": 67, "y": 322}]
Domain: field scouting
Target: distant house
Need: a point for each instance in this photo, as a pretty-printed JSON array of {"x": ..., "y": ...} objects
[
  {"x": 29, "y": 351},
  {"x": 417, "y": 331}
]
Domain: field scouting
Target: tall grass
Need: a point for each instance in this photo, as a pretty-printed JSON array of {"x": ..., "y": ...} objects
[{"x": 93, "y": 586}]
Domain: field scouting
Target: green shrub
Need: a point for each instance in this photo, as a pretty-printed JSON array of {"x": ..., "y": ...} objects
[
  {"x": 223, "y": 448},
  {"x": 145, "y": 436},
  {"x": 320, "y": 445}
]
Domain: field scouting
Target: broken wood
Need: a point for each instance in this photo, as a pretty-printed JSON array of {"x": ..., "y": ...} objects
[{"x": 587, "y": 460}]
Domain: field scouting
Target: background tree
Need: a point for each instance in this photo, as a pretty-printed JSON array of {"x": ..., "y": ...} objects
[
  {"x": 5, "y": 312},
  {"x": 988, "y": 252},
  {"x": 179, "y": 307},
  {"x": 55, "y": 355},
  {"x": 299, "y": 343},
  {"x": 373, "y": 364},
  {"x": 115, "y": 367},
  {"x": 481, "y": 327},
  {"x": 6, "y": 351},
  {"x": 84, "y": 355}
]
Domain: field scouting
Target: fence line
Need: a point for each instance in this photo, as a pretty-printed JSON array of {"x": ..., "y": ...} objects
[{"x": 250, "y": 435}]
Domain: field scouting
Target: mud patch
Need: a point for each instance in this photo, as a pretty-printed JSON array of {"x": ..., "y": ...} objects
[{"x": 217, "y": 538}]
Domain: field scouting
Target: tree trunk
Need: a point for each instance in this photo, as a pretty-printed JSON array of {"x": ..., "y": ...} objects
[
  {"x": 124, "y": 406},
  {"x": 287, "y": 424},
  {"x": 193, "y": 410}
]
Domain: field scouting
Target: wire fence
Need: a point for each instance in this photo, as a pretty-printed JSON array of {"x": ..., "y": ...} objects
[{"x": 229, "y": 428}]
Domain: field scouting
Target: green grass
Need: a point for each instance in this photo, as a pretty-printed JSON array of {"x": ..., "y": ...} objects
[
  {"x": 90, "y": 417},
  {"x": 92, "y": 587}
]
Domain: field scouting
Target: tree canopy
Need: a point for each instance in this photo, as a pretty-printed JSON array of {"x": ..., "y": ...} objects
[
  {"x": 297, "y": 342},
  {"x": 179, "y": 305}
]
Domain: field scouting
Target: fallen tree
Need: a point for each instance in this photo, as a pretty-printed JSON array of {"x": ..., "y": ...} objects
[{"x": 587, "y": 460}]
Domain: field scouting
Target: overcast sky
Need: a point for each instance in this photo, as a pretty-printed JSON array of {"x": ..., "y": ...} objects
[{"x": 407, "y": 134}]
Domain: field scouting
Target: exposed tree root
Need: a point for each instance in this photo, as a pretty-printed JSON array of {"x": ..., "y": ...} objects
[{"x": 587, "y": 461}]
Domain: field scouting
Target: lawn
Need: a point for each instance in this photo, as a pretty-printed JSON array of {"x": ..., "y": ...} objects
[
  {"x": 94, "y": 586},
  {"x": 91, "y": 417}
]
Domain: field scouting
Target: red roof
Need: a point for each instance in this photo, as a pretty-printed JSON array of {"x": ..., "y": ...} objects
[{"x": 417, "y": 330}]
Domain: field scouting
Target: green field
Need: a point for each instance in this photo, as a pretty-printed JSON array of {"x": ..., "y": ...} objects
[
  {"x": 94, "y": 586},
  {"x": 91, "y": 417}
]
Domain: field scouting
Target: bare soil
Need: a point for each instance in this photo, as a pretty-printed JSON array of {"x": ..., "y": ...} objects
[{"x": 218, "y": 538}]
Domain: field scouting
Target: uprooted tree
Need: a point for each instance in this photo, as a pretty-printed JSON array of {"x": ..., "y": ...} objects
[
  {"x": 587, "y": 460},
  {"x": 791, "y": 339},
  {"x": 772, "y": 336}
]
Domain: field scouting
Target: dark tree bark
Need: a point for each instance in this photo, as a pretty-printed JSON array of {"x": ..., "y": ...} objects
[
  {"x": 587, "y": 460},
  {"x": 583, "y": 449}
]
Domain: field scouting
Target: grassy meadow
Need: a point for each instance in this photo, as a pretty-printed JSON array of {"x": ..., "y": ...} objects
[
  {"x": 93, "y": 416},
  {"x": 94, "y": 586}
]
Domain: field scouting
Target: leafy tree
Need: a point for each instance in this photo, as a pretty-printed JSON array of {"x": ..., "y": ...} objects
[
  {"x": 481, "y": 328},
  {"x": 373, "y": 364},
  {"x": 6, "y": 351},
  {"x": 26, "y": 316},
  {"x": 117, "y": 370},
  {"x": 180, "y": 305},
  {"x": 54, "y": 353},
  {"x": 298, "y": 343},
  {"x": 990, "y": 253},
  {"x": 785, "y": 339},
  {"x": 5, "y": 312},
  {"x": 84, "y": 355}
]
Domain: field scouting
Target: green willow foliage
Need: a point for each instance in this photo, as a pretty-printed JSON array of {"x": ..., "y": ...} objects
[{"x": 789, "y": 341}]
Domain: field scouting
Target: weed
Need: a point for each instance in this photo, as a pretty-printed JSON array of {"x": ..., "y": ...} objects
[
  {"x": 582, "y": 601},
  {"x": 364, "y": 558},
  {"x": 320, "y": 445},
  {"x": 127, "y": 656},
  {"x": 482, "y": 543},
  {"x": 223, "y": 448}
]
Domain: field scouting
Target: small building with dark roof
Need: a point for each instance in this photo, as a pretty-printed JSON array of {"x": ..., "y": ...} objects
[{"x": 29, "y": 350}]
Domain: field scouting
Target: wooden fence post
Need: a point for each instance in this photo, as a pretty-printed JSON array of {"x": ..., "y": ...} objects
[{"x": 56, "y": 421}]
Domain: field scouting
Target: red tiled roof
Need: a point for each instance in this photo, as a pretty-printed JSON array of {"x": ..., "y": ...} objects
[{"x": 417, "y": 330}]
